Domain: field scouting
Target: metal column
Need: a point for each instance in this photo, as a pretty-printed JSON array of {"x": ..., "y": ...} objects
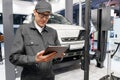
[
  {"x": 8, "y": 37},
  {"x": 69, "y": 10},
  {"x": 87, "y": 28},
  {"x": 80, "y": 13}
]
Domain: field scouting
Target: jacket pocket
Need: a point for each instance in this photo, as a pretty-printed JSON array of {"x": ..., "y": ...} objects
[
  {"x": 31, "y": 43},
  {"x": 32, "y": 48}
]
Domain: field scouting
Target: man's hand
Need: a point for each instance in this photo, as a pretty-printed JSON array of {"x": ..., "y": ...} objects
[{"x": 40, "y": 57}]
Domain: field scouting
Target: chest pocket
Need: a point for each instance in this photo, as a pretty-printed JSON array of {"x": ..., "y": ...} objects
[
  {"x": 32, "y": 47},
  {"x": 31, "y": 40},
  {"x": 32, "y": 44}
]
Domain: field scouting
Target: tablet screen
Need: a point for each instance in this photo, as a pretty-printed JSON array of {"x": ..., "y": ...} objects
[{"x": 58, "y": 49}]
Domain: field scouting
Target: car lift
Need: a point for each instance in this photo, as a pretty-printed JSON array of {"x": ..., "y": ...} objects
[
  {"x": 85, "y": 59},
  {"x": 103, "y": 21},
  {"x": 110, "y": 75}
]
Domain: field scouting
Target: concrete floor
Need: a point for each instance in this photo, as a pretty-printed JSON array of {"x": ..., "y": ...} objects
[{"x": 75, "y": 73}]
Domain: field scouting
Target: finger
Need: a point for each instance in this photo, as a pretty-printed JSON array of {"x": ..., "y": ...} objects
[
  {"x": 41, "y": 53},
  {"x": 61, "y": 55},
  {"x": 50, "y": 56}
]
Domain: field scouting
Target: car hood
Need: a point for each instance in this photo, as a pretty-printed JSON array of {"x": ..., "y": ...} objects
[{"x": 65, "y": 27}]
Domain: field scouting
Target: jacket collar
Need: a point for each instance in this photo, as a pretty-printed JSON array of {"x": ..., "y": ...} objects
[{"x": 32, "y": 26}]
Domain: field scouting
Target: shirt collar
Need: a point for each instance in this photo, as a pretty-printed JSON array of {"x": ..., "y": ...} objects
[
  {"x": 33, "y": 26},
  {"x": 40, "y": 29}
]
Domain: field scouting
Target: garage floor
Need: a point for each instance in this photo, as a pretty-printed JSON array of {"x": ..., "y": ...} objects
[{"x": 75, "y": 73}]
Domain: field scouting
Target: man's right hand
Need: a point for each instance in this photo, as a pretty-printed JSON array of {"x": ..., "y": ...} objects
[{"x": 40, "y": 57}]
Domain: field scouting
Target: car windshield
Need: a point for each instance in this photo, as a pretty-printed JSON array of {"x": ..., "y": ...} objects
[{"x": 57, "y": 19}]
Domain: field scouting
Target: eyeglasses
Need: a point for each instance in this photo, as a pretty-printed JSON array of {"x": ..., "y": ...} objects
[{"x": 43, "y": 15}]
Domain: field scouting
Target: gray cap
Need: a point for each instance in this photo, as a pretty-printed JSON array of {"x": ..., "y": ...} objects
[{"x": 43, "y": 6}]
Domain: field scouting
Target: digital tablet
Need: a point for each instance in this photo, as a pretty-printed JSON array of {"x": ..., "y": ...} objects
[{"x": 58, "y": 49}]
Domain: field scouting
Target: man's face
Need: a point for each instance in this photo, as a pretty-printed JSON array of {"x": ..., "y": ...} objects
[{"x": 41, "y": 18}]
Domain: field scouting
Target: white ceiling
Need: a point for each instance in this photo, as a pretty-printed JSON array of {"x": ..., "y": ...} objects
[{"x": 26, "y": 7}]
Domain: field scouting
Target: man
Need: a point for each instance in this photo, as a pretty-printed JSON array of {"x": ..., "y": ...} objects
[{"x": 30, "y": 42}]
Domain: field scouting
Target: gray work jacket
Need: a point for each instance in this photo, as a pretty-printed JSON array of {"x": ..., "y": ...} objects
[{"x": 27, "y": 43}]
